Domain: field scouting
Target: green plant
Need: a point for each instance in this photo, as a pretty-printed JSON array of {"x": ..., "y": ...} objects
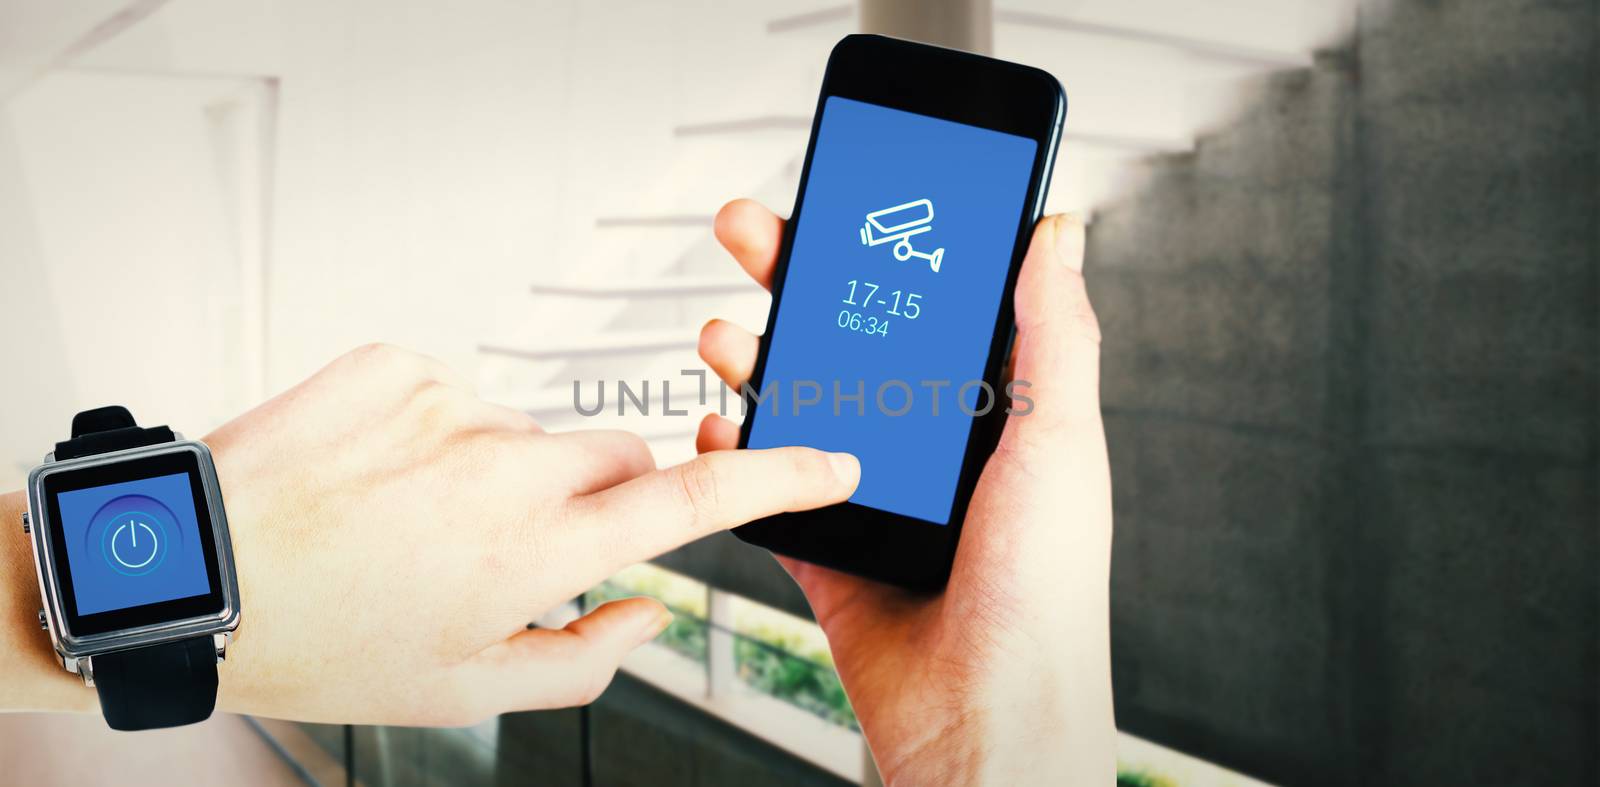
[
  {"x": 803, "y": 683},
  {"x": 1142, "y": 779},
  {"x": 772, "y": 658},
  {"x": 682, "y": 594},
  {"x": 685, "y": 635}
]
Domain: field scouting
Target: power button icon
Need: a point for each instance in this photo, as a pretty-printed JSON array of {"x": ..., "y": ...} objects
[
  {"x": 127, "y": 552},
  {"x": 135, "y": 542}
]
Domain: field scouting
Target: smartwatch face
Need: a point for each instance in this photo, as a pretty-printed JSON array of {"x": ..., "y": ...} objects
[{"x": 133, "y": 543}]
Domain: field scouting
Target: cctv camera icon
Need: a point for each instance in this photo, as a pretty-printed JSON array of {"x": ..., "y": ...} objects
[{"x": 884, "y": 226}]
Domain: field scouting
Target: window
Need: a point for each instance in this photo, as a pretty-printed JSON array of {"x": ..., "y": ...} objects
[
  {"x": 771, "y": 674},
  {"x": 766, "y": 671},
  {"x": 786, "y": 657}
]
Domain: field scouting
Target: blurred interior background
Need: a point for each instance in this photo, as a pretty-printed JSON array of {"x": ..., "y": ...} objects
[{"x": 1344, "y": 253}]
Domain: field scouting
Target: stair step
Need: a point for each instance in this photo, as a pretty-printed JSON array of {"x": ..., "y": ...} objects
[
  {"x": 821, "y": 16},
  {"x": 1192, "y": 45},
  {"x": 665, "y": 433},
  {"x": 557, "y": 401},
  {"x": 663, "y": 220},
  {"x": 670, "y": 286},
  {"x": 1132, "y": 143},
  {"x": 762, "y": 123},
  {"x": 744, "y": 125},
  {"x": 615, "y": 343},
  {"x": 1149, "y": 23}
]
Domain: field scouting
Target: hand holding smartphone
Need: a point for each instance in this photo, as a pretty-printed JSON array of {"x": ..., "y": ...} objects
[{"x": 892, "y": 301}]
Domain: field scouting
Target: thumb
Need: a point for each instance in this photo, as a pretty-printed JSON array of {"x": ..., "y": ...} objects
[
  {"x": 1057, "y": 371},
  {"x": 560, "y": 668}
]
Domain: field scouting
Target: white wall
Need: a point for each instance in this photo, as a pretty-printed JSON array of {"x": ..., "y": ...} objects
[{"x": 121, "y": 278}]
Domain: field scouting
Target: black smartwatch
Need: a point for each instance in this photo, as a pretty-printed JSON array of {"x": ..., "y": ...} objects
[{"x": 135, "y": 568}]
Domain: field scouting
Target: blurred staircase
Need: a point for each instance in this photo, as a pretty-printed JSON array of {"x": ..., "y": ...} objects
[
  {"x": 1142, "y": 79},
  {"x": 1145, "y": 80}
]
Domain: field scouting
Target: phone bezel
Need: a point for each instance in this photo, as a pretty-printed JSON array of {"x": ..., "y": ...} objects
[{"x": 965, "y": 88}]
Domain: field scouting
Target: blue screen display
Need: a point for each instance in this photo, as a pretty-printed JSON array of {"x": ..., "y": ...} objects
[
  {"x": 133, "y": 543},
  {"x": 895, "y": 276}
]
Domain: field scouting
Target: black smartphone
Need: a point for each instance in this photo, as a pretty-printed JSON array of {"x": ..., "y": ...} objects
[{"x": 891, "y": 313}]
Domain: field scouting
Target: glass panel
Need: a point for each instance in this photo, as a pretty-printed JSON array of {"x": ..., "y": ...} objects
[
  {"x": 787, "y": 657},
  {"x": 688, "y": 634},
  {"x": 399, "y": 756},
  {"x": 317, "y": 752}
]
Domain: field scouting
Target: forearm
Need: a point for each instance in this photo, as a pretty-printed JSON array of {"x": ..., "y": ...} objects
[{"x": 30, "y": 676}]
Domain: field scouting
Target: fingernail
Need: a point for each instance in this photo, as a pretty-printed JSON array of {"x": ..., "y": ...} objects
[
  {"x": 656, "y": 626},
  {"x": 845, "y": 467},
  {"x": 1069, "y": 240}
]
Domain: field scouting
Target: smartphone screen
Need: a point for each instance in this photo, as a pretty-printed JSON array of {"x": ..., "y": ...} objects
[{"x": 898, "y": 262}]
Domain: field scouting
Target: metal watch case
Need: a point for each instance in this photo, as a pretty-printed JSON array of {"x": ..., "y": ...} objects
[{"x": 77, "y": 653}]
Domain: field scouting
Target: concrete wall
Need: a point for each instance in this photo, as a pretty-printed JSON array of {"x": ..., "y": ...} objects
[
  {"x": 1351, "y": 393},
  {"x": 1214, "y": 286}
]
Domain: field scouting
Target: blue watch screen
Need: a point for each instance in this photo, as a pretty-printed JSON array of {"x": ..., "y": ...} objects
[
  {"x": 899, "y": 261},
  {"x": 133, "y": 543}
]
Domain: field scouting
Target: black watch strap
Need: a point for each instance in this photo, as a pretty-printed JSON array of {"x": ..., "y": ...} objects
[
  {"x": 106, "y": 429},
  {"x": 166, "y": 685}
]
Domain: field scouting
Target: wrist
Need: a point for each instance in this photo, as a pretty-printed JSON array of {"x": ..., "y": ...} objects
[
  {"x": 1038, "y": 709},
  {"x": 1060, "y": 729},
  {"x": 1055, "y": 721},
  {"x": 32, "y": 675},
  {"x": 1064, "y": 738}
]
